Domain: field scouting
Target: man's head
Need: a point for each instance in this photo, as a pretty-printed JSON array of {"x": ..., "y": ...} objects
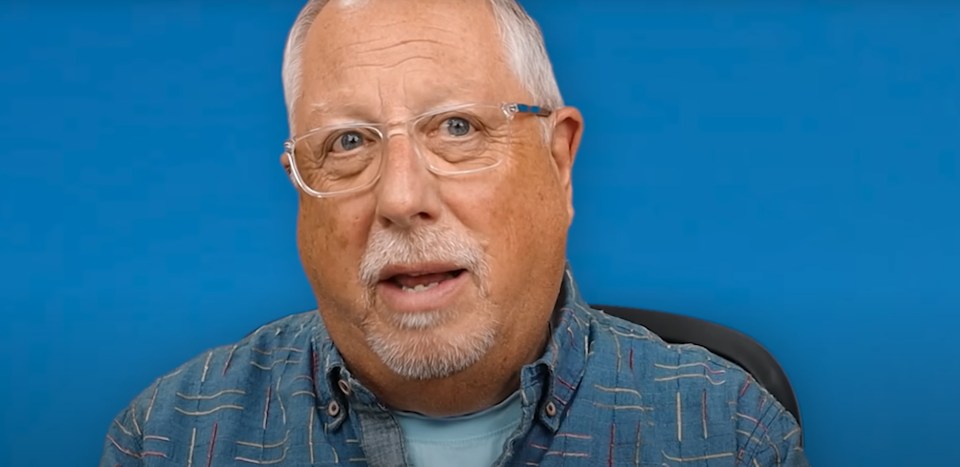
[{"x": 447, "y": 256}]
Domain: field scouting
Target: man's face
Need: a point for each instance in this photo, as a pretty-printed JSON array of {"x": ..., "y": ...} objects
[{"x": 421, "y": 273}]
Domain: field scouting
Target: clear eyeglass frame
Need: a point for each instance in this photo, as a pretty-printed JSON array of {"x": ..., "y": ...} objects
[{"x": 382, "y": 131}]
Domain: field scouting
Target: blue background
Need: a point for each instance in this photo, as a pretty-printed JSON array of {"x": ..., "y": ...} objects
[{"x": 789, "y": 170}]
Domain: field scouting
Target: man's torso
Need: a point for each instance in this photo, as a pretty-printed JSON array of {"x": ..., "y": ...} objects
[{"x": 605, "y": 392}]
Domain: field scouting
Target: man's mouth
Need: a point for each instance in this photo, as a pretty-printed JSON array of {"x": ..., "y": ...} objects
[
  {"x": 422, "y": 287},
  {"x": 422, "y": 281}
]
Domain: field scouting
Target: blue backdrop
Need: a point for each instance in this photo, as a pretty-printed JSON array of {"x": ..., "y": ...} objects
[{"x": 789, "y": 170}]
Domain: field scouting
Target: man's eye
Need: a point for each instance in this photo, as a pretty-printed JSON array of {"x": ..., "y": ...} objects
[
  {"x": 348, "y": 141},
  {"x": 457, "y": 126}
]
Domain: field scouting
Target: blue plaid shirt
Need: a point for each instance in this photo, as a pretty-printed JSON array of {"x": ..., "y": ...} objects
[{"x": 605, "y": 392}]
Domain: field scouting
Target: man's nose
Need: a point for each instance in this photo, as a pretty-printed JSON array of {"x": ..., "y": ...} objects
[{"x": 407, "y": 193}]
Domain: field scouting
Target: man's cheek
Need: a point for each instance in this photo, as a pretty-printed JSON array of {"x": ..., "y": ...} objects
[{"x": 320, "y": 227}]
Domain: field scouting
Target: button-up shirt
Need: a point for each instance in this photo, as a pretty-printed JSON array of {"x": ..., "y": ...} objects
[{"x": 604, "y": 392}]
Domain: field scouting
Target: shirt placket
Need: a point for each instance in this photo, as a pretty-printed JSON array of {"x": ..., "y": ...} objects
[{"x": 380, "y": 436}]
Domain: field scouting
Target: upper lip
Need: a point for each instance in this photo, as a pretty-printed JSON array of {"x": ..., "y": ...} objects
[{"x": 418, "y": 269}]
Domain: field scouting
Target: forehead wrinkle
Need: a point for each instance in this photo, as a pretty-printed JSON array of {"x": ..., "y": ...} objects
[
  {"x": 394, "y": 22},
  {"x": 414, "y": 29},
  {"x": 398, "y": 44},
  {"x": 380, "y": 93},
  {"x": 392, "y": 49},
  {"x": 389, "y": 65}
]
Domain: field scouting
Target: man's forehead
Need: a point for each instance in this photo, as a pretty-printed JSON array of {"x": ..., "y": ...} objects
[
  {"x": 364, "y": 58},
  {"x": 380, "y": 33},
  {"x": 349, "y": 3},
  {"x": 352, "y": 102},
  {"x": 360, "y": 13}
]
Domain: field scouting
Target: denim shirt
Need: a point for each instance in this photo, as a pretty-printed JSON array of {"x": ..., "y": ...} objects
[{"x": 604, "y": 392}]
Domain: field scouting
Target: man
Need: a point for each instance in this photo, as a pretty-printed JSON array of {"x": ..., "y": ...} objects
[{"x": 432, "y": 154}]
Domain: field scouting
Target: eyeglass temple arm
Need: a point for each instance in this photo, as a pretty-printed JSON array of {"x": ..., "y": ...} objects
[{"x": 533, "y": 109}]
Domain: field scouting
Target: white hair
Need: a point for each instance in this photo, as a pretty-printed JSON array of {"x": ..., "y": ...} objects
[
  {"x": 419, "y": 345},
  {"x": 522, "y": 42}
]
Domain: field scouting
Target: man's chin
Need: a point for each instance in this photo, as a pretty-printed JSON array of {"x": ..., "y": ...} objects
[
  {"x": 418, "y": 322},
  {"x": 433, "y": 351}
]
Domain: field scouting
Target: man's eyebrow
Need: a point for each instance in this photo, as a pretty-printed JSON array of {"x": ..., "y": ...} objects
[
  {"x": 317, "y": 111},
  {"x": 321, "y": 111},
  {"x": 319, "y": 108}
]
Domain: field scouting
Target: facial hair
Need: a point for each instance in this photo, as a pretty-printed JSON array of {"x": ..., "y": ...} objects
[{"x": 415, "y": 346}]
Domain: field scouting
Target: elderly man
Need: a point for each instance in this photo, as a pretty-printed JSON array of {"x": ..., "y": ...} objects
[{"x": 432, "y": 155}]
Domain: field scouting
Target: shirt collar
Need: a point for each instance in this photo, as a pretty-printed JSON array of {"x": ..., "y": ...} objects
[
  {"x": 550, "y": 382},
  {"x": 553, "y": 379}
]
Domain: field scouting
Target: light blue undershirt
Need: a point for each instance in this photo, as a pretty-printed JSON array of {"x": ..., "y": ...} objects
[{"x": 474, "y": 440}]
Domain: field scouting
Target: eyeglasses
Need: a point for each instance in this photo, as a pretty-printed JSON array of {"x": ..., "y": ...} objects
[{"x": 456, "y": 140}]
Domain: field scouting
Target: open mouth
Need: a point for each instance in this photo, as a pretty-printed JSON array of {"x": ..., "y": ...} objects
[
  {"x": 420, "y": 288},
  {"x": 423, "y": 281}
]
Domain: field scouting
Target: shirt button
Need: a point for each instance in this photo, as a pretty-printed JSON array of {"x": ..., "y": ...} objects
[
  {"x": 333, "y": 409},
  {"x": 550, "y": 409},
  {"x": 344, "y": 387}
]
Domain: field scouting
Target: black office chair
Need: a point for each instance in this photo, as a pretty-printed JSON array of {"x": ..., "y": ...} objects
[{"x": 728, "y": 343}]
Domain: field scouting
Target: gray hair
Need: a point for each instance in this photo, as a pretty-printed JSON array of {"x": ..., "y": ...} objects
[{"x": 522, "y": 41}]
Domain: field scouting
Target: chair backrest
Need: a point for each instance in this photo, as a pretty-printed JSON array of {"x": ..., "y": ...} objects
[{"x": 728, "y": 343}]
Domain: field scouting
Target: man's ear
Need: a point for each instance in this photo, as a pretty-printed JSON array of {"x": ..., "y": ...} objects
[
  {"x": 567, "y": 131},
  {"x": 285, "y": 162}
]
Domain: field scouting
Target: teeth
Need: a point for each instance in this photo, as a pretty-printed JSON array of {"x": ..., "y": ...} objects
[{"x": 419, "y": 287}]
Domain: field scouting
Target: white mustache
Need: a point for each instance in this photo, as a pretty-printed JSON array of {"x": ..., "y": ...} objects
[{"x": 423, "y": 245}]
